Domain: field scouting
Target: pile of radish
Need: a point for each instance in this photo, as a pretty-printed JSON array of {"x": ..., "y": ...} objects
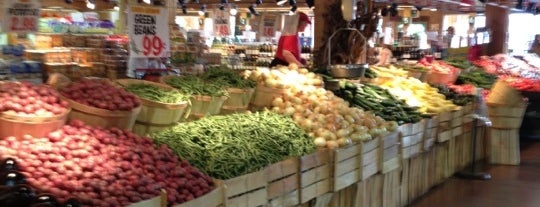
[
  {"x": 105, "y": 168},
  {"x": 101, "y": 94},
  {"x": 27, "y": 99}
]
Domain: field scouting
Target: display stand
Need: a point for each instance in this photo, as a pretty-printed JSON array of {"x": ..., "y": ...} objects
[{"x": 471, "y": 173}]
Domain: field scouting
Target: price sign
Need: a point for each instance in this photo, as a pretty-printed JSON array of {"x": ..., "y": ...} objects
[
  {"x": 221, "y": 23},
  {"x": 148, "y": 31},
  {"x": 21, "y": 16},
  {"x": 269, "y": 26}
]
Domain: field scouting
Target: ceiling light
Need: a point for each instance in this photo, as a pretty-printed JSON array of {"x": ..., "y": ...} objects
[
  {"x": 280, "y": 2},
  {"x": 90, "y": 5},
  {"x": 433, "y": 9},
  {"x": 233, "y": 11},
  {"x": 116, "y": 7},
  {"x": 203, "y": 10},
  {"x": 147, "y": 1}
]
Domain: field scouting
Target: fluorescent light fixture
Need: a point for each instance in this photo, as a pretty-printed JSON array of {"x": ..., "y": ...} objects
[
  {"x": 116, "y": 8},
  {"x": 90, "y": 5},
  {"x": 281, "y": 2},
  {"x": 147, "y": 1},
  {"x": 433, "y": 9}
]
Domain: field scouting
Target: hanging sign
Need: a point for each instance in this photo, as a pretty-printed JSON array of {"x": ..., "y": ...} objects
[
  {"x": 21, "y": 16},
  {"x": 148, "y": 31},
  {"x": 221, "y": 23},
  {"x": 269, "y": 26}
]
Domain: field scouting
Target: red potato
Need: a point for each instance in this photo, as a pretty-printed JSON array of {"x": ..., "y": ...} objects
[{"x": 26, "y": 99}]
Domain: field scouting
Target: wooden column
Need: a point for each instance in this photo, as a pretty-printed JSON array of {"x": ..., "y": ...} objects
[
  {"x": 321, "y": 8},
  {"x": 497, "y": 22}
]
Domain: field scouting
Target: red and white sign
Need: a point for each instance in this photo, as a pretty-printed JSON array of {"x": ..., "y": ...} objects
[
  {"x": 269, "y": 26},
  {"x": 148, "y": 31},
  {"x": 21, "y": 16},
  {"x": 221, "y": 23}
]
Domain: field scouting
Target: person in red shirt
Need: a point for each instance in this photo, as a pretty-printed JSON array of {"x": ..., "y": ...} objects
[{"x": 288, "y": 50}]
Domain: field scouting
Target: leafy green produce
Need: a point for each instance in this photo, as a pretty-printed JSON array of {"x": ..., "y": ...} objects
[
  {"x": 229, "y": 146},
  {"x": 457, "y": 98},
  {"x": 192, "y": 84},
  {"x": 370, "y": 74},
  {"x": 379, "y": 101},
  {"x": 477, "y": 78},
  {"x": 155, "y": 93},
  {"x": 229, "y": 77},
  {"x": 460, "y": 63}
]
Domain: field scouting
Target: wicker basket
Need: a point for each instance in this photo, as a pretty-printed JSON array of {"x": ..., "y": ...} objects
[
  {"x": 101, "y": 117},
  {"x": 239, "y": 98},
  {"x": 264, "y": 95},
  {"x": 157, "y": 113},
  {"x": 15, "y": 125},
  {"x": 441, "y": 78}
]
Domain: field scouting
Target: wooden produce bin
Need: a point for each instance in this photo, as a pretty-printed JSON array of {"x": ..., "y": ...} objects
[
  {"x": 390, "y": 152},
  {"x": 214, "y": 198},
  {"x": 205, "y": 106},
  {"x": 370, "y": 192},
  {"x": 282, "y": 183},
  {"x": 315, "y": 174},
  {"x": 348, "y": 166},
  {"x": 430, "y": 133},
  {"x": 411, "y": 137},
  {"x": 504, "y": 146},
  {"x": 246, "y": 190},
  {"x": 417, "y": 176},
  {"x": 391, "y": 196},
  {"x": 158, "y": 201}
]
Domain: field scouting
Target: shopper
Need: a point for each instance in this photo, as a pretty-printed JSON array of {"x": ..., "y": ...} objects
[
  {"x": 288, "y": 51},
  {"x": 535, "y": 46}
]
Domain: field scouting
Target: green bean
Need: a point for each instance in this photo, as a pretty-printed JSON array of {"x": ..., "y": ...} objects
[
  {"x": 229, "y": 77},
  {"x": 229, "y": 146},
  {"x": 192, "y": 84},
  {"x": 155, "y": 93}
]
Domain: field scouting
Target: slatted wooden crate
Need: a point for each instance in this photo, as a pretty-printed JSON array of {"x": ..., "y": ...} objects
[
  {"x": 415, "y": 177},
  {"x": 371, "y": 156},
  {"x": 282, "y": 180},
  {"x": 214, "y": 198},
  {"x": 346, "y": 197},
  {"x": 391, "y": 189},
  {"x": 504, "y": 146},
  {"x": 444, "y": 160},
  {"x": 370, "y": 192},
  {"x": 315, "y": 174},
  {"x": 430, "y": 165},
  {"x": 411, "y": 139},
  {"x": 430, "y": 133},
  {"x": 404, "y": 177},
  {"x": 246, "y": 190},
  {"x": 348, "y": 166},
  {"x": 444, "y": 129},
  {"x": 390, "y": 152},
  {"x": 158, "y": 201}
]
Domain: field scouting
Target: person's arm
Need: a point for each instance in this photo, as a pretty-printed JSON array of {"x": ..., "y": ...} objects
[{"x": 289, "y": 57}]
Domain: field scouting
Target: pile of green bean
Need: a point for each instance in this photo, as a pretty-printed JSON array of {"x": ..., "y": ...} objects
[
  {"x": 228, "y": 76},
  {"x": 229, "y": 146},
  {"x": 155, "y": 93},
  {"x": 192, "y": 84}
]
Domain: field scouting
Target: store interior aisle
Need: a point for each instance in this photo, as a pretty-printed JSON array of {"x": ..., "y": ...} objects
[{"x": 510, "y": 186}]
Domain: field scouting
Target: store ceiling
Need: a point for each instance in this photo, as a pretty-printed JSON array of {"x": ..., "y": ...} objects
[{"x": 450, "y": 5}]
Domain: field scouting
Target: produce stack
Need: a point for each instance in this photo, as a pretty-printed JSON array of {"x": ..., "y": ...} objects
[
  {"x": 240, "y": 90},
  {"x": 506, "y": 109},
  {"x": 104, "y": 167}
]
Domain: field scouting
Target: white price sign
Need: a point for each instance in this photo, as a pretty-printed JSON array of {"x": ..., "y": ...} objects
[
  {"x": 221, "y": 23},
  {"x": 148, "y": 31},
  {"x": 21, "y": 16}
]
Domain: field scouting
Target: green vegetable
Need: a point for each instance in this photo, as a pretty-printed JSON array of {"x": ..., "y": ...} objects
[
  {"x": 457, "y": 98},
  {"x": 230, "y": 146},
  {"x": 477, "y": 78},
  {"x": 192, "y": 84},
  {"x": 461, "y": 63},
  {"x": 370, "y": 74},
  {"x": 155, "y": 93},
  {"x": 379, "y": 101},
  {"x": 228, "y": 77}
]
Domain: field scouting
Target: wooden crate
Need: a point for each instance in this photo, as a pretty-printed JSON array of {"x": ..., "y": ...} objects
[
  {"x": 348, "y": 166},
  {"x": 246, "y": 190},
  {"x": 391, "y": 189},
  {"x": 444, "y": 128},
  {"x": 404, "y": 177},
  {"x": 214, "y": 198},
  {"x": 315, "y": 173},
  {"x": 504, "y": 146},
  {"x": 390, "y": 152},
  {"x": 282, "y": 183},
  {"x": 506, "y": 117},
  {"x": 416, "y": 179},
  {"x": 370, "y": 192},
  {"x": 158, "y": 201},
  {"x": 430, "y": 133},
  {"x": 411, "y": 145},
  {"x": 371, "y": 157},
  {"x": 430, "y": 165},
  {"x": 444, "y": 161}
]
